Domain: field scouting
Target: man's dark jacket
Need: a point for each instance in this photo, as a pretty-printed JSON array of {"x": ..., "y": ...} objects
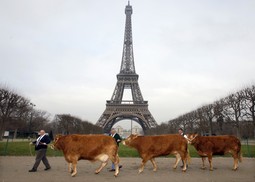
[{"x": 44, "y": 139}]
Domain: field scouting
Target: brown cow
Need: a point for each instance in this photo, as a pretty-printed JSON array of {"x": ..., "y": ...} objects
[
  {"x": 87, "y": 147},
  {"x": 150, "y": 147},
  {"x": 207, "y": 146}
]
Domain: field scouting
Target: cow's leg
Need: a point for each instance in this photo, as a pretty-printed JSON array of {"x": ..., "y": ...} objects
[
  {"x": 104, "y": 159},
  {"x": 235, "y": 156},
  {"x": 155, "y": 167},
  {"x": 116, "y": 161},
  {"x": 142, "y": 165},
  {"x": 103, "y": 164},
  {"x": 178, "y": 158},
  {"x": 184, "y": 160},
  {"x": 70, "y": 170},
  {"x": 235, "y": 164},
  {"x": 210, "y": 161},
  {"x": 74, "y": 163},
  {"x": 68, "y": 160},
  {"x": 203, "y": 163}
]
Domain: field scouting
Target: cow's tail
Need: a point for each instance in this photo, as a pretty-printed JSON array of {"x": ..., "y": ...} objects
[
  {"x": 117, "y": 158},
  {"x": 188, "y": 159},
  {"x": 240, "y": 151},
  {"x": 188, "y": 156}
]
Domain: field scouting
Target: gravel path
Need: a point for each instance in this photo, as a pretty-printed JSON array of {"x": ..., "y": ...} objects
[{"x": 14, "y": 169}]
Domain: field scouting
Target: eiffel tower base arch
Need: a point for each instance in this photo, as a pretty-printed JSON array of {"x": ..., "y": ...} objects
[{"x": 117, "y": 112}]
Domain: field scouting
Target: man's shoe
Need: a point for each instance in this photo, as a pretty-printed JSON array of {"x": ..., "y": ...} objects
[
  {"x": 120, "y": 166},
  {"x": 47, "y": 168},
  {"x": 111, "y": 170},
  {"x": 32, "y": 170}
]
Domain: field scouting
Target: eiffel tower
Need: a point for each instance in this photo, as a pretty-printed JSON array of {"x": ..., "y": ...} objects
[{"x": 118, "y": 109}]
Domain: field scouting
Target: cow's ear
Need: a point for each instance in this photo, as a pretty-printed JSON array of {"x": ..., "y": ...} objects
[
  {"x": 192, "y": 135},
  {"x": 135, "y": 135},
  {"x": 58, "y": 136},
  {"x": 132, "y": 136}
]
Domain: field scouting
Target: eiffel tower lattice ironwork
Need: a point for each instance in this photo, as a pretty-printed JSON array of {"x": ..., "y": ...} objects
[{"x": 118, "y": 109}]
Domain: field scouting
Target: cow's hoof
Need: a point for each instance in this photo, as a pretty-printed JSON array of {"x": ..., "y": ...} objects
[
  {"x": 203, "y": 168},
  {"x": 73, "y": 175},
  {"x": 155, "y": 170},
  {"x": 234, "y": 169},
  {"x": 211, "y": 169},
  {"x": 139, "y": 172},
  {"x": 116, "y": 174},
  {"x": 184, "y": 169}
]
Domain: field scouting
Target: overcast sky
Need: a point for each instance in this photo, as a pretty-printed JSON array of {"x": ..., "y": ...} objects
[{"x": 64, "y": 55}]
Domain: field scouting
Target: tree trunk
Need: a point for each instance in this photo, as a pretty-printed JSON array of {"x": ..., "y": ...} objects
[
  {"x": 211, "y": 127},
  {"x": 15, "y": 134},
  {"x": 1, "y": 135},
  {"x": 238, "y": 132},
  {"x": 254, "y": 131},
  {"x": 2, "y": 129}
]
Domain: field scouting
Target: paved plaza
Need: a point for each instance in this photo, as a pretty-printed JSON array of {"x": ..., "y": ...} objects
[{"x": 14, "y": 169}]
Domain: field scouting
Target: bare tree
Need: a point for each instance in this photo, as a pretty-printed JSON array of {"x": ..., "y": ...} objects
[
  {"x": 235, "y": 109},
  {"x": 39, "y": 119},
  {"x": 233, "y": 114},
  {"x": 191, "y": 122},
  {"x": 208, "y": 115},
  {"x": 182, "y": 122},
  {"x": 12, "y": 106},
  {"x": 249, "y": 95},
  {"x": 219, "y": 113},
  {"x": 173, "y": 125},
  {"x": 202, "y": 121},
  {"x": 67, "y": 124},
  {"x": 163, "y": 128}
]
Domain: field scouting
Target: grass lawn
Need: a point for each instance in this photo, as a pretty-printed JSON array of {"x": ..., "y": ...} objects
[{"x": 22, "y": 148}]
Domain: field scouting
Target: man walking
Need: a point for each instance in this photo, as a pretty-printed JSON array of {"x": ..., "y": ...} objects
[
  {"x": 180, "y": 131},
  {"x": 41, "y": 149},
  {"x": 118, "y": 139}
]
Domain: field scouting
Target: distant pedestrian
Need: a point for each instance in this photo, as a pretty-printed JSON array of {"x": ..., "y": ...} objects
[
  {"x": 180, "y": 131},
  {"x": 41, "y": 148},
  {"x": 118, "y": 139}
]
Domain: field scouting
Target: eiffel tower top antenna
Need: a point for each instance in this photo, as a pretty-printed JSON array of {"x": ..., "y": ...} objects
[{"x": 127, "y": 64}]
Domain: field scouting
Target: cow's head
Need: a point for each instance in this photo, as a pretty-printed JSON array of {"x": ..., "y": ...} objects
[
  {"x": 129, "y": 140},
  {"x": 53, "y": 145},
  {"x": 191, "y": 137}
]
